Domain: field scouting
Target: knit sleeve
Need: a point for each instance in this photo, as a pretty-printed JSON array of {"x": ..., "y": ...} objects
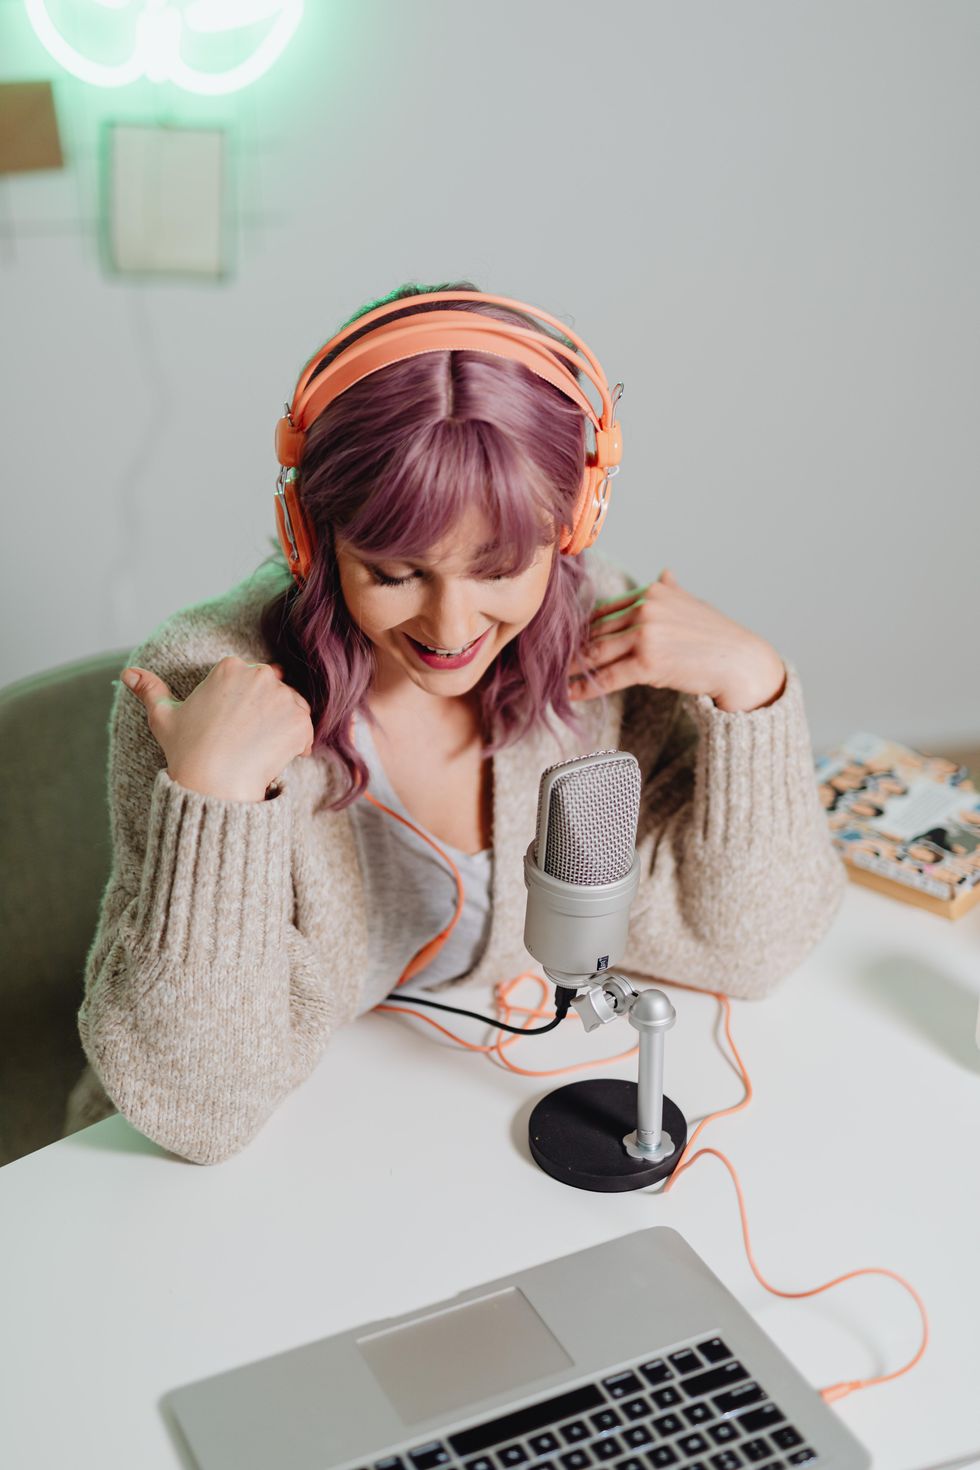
[
  {"x": 739, "y": 878},
  {"x": 186, "y": 1017}
]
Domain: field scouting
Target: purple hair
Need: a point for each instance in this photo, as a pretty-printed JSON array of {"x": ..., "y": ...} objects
[{"x": 391, "y": 464}]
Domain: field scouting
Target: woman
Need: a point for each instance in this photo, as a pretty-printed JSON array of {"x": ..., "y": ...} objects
[{"x": 441, "y": 649}]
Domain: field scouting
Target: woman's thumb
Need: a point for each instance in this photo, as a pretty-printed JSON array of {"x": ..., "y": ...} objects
[{"x": 148, "y": 687}]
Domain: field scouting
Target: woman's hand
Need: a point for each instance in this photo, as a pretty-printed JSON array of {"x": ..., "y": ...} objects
[
  {"x": 664, "y": 636},
  {"x": 234, "y": 734}
]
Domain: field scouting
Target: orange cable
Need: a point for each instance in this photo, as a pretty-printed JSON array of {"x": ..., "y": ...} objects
[
  {"x": 431, "y": 946},
  {"x": 835, "y": 1390}
]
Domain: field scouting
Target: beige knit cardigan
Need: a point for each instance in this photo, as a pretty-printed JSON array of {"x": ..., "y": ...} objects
[{"x": 233, "y": 935}]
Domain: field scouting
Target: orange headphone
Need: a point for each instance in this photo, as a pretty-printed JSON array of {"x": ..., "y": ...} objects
[{"x": 439, "y": 331}]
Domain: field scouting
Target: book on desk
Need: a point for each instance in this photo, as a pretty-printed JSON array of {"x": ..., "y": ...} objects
[{"x": 905, "y": 823}]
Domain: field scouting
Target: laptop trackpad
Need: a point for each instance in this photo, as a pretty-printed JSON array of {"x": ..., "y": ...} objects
[{"x": 447, "y": 1360}]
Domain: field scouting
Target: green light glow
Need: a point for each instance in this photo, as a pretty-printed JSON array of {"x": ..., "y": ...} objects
[{"x": 160, "y": 27}]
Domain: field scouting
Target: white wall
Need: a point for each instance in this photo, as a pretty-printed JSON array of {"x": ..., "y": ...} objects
[{"x": 763, "y": 216}]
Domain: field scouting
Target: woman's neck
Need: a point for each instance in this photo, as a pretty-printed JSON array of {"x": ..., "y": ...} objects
[
  {"x": 402, "y": 709},
  {"x": 393, "y": 691}
]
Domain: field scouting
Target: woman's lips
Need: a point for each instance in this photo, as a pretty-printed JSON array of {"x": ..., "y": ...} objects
[{"x": 435, "y": 661}]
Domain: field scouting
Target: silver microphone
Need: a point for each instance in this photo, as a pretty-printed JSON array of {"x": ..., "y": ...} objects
[{"x": 581, "y": 869}]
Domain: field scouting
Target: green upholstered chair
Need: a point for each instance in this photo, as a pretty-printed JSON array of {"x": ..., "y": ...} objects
[{"x": 55, "y": 857}]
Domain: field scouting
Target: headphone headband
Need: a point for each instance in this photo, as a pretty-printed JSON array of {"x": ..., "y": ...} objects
[{"x": 439, "y": 331}]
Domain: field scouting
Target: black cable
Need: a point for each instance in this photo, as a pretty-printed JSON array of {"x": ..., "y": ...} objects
[{"x": 563, "y": 999}]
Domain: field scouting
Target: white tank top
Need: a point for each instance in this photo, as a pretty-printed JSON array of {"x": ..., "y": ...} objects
[{"x": 410, "y": 892}]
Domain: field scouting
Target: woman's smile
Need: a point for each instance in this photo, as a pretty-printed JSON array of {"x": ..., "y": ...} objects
[{"x": 458, "y": 660}]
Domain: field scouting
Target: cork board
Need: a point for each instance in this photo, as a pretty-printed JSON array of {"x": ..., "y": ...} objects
[{"x": 28, "y": 128}]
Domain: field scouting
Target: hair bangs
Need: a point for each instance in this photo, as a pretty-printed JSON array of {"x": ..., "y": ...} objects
[
  {"x": 450, "y": 469},
  {"x": 519, "y": 505}
]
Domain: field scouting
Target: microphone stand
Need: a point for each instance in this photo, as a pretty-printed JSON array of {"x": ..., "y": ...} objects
[{"x": 575, "y": 1133}]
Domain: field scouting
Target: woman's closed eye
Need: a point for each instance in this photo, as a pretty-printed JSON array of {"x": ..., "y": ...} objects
[{"x": 385, "y": 581}]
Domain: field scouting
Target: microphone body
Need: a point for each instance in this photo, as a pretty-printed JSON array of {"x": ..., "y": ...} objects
[
  {"x": 575, "y": 930},
  {"x": 581, "y": 869}
]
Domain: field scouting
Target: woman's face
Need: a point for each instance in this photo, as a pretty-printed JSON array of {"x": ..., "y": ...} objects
[{"x": 439, "y": 602}]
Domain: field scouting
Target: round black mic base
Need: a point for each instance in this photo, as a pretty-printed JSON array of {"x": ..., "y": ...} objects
[{"x": 576, "y": 1135}]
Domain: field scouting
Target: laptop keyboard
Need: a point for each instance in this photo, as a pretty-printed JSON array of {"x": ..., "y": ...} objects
[{"x": 692, "y": 1408}]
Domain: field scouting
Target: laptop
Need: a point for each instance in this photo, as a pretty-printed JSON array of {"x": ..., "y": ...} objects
[{"x": 631, "y": 1354}]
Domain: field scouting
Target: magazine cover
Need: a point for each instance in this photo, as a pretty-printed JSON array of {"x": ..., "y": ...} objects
[{"x": 905, "y": 823}]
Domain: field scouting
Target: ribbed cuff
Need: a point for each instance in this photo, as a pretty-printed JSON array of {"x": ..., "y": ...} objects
[
  {"x": 216, "y": 880},
  {"x": 755, "y": 781}
]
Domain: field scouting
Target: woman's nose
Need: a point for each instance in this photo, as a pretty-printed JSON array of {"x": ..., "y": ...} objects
[{"x": 449, "y": 615}]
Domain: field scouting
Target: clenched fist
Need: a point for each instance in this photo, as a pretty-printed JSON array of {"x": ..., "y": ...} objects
[{"x": 234, "y": 734}]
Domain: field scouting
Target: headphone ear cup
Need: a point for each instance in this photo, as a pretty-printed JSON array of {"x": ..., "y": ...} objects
[
  {"x": 589, "y": 514},
  {"x": 303, "y": 534}
]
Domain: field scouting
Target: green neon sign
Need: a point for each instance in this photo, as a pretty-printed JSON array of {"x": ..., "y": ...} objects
[{"x": 155, "y": 32}]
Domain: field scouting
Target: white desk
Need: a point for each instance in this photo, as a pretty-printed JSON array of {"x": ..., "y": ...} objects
[{"x": 399, "y": 1173}]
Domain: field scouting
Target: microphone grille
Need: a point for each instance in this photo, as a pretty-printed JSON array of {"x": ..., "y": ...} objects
[{"x": 588, "y": 809}]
